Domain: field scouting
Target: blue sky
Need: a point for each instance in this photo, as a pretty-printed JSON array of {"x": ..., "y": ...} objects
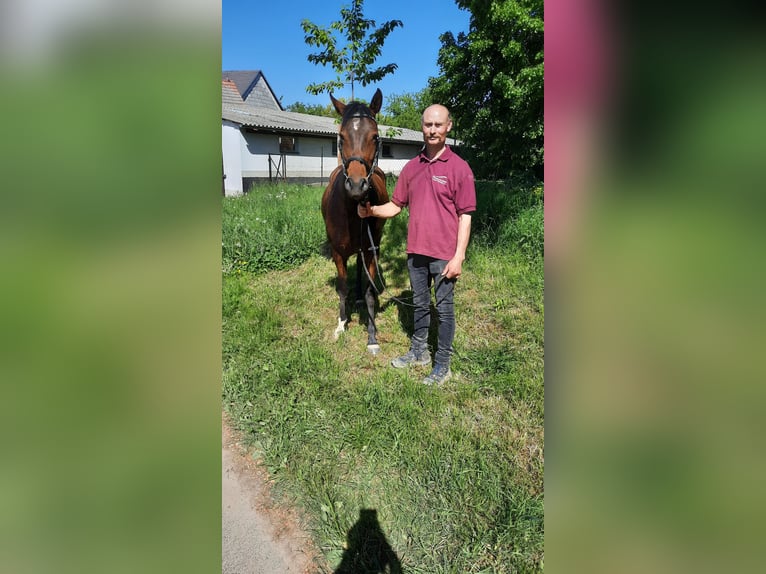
[{"x": 268, "y": 36}]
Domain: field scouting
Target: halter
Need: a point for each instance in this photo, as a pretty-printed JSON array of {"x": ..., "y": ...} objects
[{"x": 345, "y": 162}]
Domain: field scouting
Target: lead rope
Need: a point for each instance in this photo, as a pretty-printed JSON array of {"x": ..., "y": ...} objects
[
  {"x": 379, "y": 292},
  {"x": 375, "y": 250}
]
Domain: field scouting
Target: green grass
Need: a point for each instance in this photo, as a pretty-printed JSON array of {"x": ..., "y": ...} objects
[
  {"x": 454, "y": 473},
  {"x": 275, "y": 227}
]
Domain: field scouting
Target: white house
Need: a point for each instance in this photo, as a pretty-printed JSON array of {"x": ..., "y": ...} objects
[{"x": 263, "y": 142}]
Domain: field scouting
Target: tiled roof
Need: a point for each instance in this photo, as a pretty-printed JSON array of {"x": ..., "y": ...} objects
[
  {"x": 234, "y": 88},
  {"x": 230, "y": 93},
  {"x": 279, "y": 121},
  {"x": 254, "y": 117},
  {"x": 246, "y": 82},
  {"x": 243, "y": 79}
]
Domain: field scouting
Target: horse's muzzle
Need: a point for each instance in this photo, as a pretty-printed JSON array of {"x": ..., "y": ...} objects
[{"x": 357, "y": 190}]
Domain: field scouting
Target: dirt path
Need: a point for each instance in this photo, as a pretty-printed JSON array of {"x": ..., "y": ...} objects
[{"x": 258, "y": 537}]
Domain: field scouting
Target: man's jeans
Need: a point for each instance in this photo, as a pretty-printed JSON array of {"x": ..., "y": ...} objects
[{"x": 423, "y": 272}]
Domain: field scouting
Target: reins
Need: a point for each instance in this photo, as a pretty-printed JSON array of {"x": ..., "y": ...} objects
[
  {"x": 374, "y": 248},
  {"x": 370, "y": 168}
]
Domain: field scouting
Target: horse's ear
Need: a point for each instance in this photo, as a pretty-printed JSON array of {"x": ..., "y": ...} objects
[
  {"x": 377, "y": 101},
  {"x": 338, "y": 105}
]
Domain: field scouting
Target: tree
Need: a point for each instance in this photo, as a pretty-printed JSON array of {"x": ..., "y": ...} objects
[
  {"x": 492, "y": 81},
  {"x": 406, "y": 110},
  {"x": 312, "y": 109},
  {"x": 352, "y": 63}
]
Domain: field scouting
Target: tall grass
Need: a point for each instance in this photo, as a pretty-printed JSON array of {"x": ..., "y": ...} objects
[
  {"x": 272, "y": 227},
  {"x": 510, "y": 215},
  {"x": 454, "y": 473}
]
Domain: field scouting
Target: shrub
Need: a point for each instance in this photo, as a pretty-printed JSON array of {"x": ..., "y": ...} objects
[
  {"x": 526, "y": 232},
  {"x": 509, "y": 214}
]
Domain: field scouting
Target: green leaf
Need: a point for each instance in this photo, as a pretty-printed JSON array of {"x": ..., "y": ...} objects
[
  {"x": 492, "y": 81},
  {"x": 353, "y": 62}
]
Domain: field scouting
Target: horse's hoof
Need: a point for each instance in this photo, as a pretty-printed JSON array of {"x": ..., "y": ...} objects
[
  {"x": 339, "y": 329},
  {"x": 373, "y": 349}
]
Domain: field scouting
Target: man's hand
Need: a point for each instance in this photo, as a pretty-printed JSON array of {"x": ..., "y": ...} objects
[
  {"x": 364, "y": 211},
  {"x": 453, "y": 269}
]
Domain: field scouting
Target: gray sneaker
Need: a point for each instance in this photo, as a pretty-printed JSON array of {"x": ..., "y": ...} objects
[
  {"x": 412, "y": 358},
  {"x": 438, "y": 375}
]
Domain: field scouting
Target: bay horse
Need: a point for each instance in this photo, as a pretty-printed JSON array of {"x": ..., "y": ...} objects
[{"x": 357, "y": 179}]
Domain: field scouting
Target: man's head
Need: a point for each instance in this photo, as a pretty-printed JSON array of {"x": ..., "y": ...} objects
[{"x": 436, "y": 123}]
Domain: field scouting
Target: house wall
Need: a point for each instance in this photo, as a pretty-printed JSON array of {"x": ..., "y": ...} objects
[
  {"x": 401, "y": 154},
  {"x": 232, "y": 144},
  {"x": 313, "y": 161}
]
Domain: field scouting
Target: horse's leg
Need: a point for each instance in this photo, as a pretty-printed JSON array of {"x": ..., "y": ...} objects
[
  {"x": 358, "y": 286},
  {"x": 341, "y": 287},
  {"x": 370, "y": 298}
]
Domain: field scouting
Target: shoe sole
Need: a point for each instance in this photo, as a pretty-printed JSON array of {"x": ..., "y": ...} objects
[
  {"x": 397, "y": 365},
  {"x": 437, "y": 383}
]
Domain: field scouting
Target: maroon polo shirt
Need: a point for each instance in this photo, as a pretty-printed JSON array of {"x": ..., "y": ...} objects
[{"x": 436, "y": 193}]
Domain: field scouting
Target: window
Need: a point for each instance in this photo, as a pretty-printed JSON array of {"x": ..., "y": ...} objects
[
  {"x": 287, "y": 144},
  {"x": 386, "y": 152},
  {"x": 335, "y": 147}
]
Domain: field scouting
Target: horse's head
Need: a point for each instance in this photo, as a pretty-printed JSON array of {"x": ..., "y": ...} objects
[{"x": 358, "y": 144}]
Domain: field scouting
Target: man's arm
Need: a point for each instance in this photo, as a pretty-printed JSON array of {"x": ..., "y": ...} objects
[
  {"x": 385, "y": 211},
  {"x": 454, "y": 267}
]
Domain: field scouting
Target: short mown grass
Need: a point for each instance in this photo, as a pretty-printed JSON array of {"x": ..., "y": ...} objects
[{"x": 455, "y": 474}]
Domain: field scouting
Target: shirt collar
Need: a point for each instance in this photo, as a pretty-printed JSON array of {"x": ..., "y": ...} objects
[{"x": 443, "y": 157}]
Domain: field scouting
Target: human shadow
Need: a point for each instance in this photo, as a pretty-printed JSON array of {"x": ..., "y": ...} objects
[{"x": 367, "y": 550}]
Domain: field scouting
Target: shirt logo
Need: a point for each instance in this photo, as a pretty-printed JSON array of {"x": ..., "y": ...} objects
[{"x": 442, "y": 179}]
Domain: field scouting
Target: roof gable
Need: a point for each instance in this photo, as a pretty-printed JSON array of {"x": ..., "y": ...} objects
[
  {"x": 230, "y": 93},
  {"x": 248, "y": 101},
  {"x": 253, "y": 88}
]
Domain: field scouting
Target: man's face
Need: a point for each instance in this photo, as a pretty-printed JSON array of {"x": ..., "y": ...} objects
[{"x": 435, "y": 125}]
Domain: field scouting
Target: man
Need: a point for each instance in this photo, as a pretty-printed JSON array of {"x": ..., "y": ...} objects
[{"x": 438, "y": 188}]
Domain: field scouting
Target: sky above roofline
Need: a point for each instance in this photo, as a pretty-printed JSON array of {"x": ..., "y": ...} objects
[{"x": 268, "y": 36}]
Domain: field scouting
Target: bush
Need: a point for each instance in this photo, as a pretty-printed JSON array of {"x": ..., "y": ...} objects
[
  {"x": 509, "y": 214},
  {"x": 526, "y": 232}
]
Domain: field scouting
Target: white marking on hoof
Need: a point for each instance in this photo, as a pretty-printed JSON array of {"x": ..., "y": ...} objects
[
  {"x": 339, "y": 329},
  {"x": 373, "y": 349}
]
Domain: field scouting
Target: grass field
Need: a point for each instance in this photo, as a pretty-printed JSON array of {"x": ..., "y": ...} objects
[{"x": 454, "y": 474}]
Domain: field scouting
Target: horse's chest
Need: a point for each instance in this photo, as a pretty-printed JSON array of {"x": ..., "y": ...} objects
[
  {"x": 346, "y": 245},
  {"x": 347, "y": 241}
]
